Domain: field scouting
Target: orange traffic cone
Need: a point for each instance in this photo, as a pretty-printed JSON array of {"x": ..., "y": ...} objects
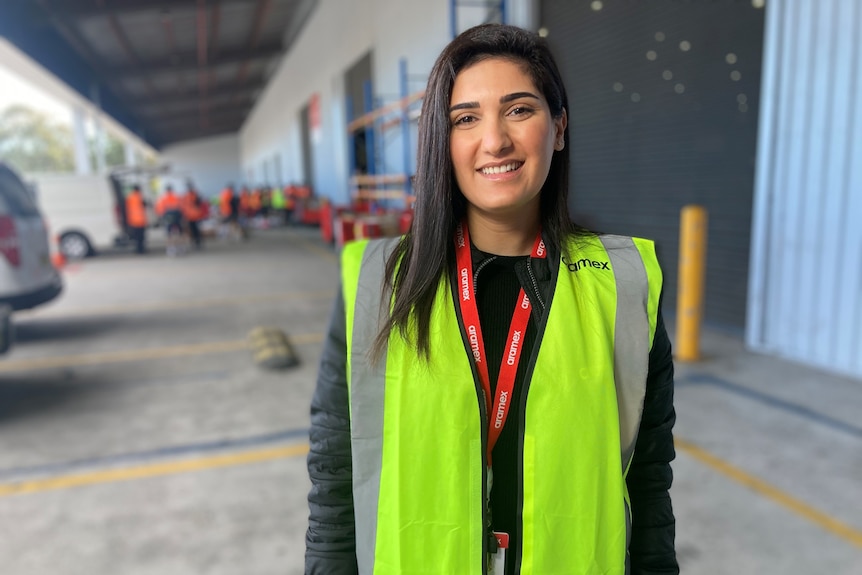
[{"x": 58, "y": 260}]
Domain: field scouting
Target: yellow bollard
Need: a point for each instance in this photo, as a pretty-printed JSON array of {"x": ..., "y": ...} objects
[{"x": 692, "y": 270}]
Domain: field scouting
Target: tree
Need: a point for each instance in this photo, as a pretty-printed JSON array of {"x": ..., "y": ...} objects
[
  {"x": 115, "y": 151},
  {"x": 32, "y": 142}
]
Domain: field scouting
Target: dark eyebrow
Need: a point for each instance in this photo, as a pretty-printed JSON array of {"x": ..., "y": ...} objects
[
  {"x": 464, "y": 106},
  {"x": 503, "y": 100},
  {"x": 516, "y": 96}
]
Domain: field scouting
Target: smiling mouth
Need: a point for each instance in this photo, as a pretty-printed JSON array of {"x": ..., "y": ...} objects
[{"x": 501, "y": 169}]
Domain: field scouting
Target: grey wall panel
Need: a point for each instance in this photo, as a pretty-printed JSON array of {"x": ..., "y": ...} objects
[
  {"x": 805, "y": 299},
  {"x": 658, "y": 122}
]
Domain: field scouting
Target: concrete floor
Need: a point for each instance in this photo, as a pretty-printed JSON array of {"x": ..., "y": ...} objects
[
  {"x": 138, "y": 437},
  {"x": 768, "y": 476}
]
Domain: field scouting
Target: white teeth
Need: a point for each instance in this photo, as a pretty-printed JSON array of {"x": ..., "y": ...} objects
[{"x": 501, "y": 169}]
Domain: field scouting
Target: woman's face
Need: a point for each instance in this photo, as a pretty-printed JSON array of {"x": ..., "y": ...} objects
[{"x": 502, "y": 138}]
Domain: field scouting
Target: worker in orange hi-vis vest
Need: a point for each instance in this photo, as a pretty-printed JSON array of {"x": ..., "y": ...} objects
[
  {"x": 229, "y": 211},
  {"x": 194, "y": 210},
  {"x": 170, "y": 209},
  {"x": 136, "y": 219},
  {"x": 225, "y": 201}
]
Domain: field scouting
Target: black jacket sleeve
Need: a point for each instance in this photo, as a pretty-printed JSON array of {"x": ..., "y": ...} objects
[
  {"x": 650, "y": 475},
  {"x": 330, "y": 542}
]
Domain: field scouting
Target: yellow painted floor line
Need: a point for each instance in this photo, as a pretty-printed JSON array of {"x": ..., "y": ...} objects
[
  {"x": 180, "y": 304},
  {"x": 247, "y": 457},
  {"x": 16, "y": 365},
  {"x": 828, "y": 523},
  {"x": 151, "y": 470}
]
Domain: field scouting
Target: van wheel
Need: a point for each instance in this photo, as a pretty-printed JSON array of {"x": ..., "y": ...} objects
[{"x": 75, "y": 246}]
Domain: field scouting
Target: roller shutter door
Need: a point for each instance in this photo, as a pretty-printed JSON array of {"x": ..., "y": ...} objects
[{"x": 663, "y": 99}]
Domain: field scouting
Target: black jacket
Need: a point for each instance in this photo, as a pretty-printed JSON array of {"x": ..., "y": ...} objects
[{"x": 330, "y": 539}]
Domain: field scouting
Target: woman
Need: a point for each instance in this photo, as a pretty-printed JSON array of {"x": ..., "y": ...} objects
[{"x": 506, "y": 405}]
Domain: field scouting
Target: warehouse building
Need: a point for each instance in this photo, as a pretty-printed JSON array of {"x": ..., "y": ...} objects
[
  {"x": 744, "y": 109},
  {"x": 748, "y": 108}
]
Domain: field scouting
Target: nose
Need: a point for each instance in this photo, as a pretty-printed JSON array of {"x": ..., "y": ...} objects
[{"x": 495, "y": 137}]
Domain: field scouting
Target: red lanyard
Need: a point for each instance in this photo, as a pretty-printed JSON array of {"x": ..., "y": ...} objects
[{"x": 499, "y": 411}]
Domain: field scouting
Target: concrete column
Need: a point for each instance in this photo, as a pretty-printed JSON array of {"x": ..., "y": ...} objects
[
  {"x": 82, "y": 156},
  {"x": 99, "y": 130},
  {"x": 99, "y": 143},
  {"x": 131, "y": 155}
]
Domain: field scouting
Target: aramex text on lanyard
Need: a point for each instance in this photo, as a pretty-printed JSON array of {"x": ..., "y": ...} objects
[{"x": 499, "y": 410}]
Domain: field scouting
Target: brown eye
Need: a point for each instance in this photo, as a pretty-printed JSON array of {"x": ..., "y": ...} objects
[
  {"x": 463, "y": 120},
  {"x": 521, "y": 111}
]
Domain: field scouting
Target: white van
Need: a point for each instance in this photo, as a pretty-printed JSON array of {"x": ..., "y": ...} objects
[
  {"x": 86, "y": 213},
  {"x": 83, "y": 212}
]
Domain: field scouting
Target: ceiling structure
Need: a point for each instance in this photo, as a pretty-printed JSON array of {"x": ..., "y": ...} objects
[{"x": 169, "y": 70}]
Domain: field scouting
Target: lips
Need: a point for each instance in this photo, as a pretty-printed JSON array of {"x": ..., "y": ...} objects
[{"x": 501, "y": 169}]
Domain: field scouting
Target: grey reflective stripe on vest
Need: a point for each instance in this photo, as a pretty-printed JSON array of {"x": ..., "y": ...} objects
[
  {"x": 631, "y": 346},
  {"x": 631, "y": 337},
  {"x": 367, "y": 386}
]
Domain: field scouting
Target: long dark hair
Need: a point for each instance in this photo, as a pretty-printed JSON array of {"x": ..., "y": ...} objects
[{"x": 426, "y": 252}]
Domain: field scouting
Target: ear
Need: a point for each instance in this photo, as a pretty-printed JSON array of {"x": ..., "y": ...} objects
[{"x": 560, "y": 124}]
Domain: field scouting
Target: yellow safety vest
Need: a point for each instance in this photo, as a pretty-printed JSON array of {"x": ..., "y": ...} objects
[{"x": 418, "y": 430}]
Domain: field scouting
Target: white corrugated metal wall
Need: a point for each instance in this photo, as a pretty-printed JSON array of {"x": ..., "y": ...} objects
[{"x": 805, "y": 291}]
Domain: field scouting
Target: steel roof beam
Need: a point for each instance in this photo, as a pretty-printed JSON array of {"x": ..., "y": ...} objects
[
  {"x": 124, "y": 42},
  {"x": 235, "y": 116},
  {"x": 259, "y": 18},
  {"x": 203, "y": 73},
  {"x": 173, "y": 137},
  {"x": 86, "y": 8},
  {"x": 191, "y": 98},
  {"x": 183, "y": 109},
  {"x": 188, "y": 62}
]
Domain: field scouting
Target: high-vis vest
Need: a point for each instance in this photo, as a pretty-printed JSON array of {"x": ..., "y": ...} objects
[
  {"x": 168, "y": 203},
  {"x": 193, "y": 207},
  {"x": 418, "y": 429},
  {"x": 224, "y": 203},
  {"x": 136, "y": 211},
  {"x": 278, "y": 202}
]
